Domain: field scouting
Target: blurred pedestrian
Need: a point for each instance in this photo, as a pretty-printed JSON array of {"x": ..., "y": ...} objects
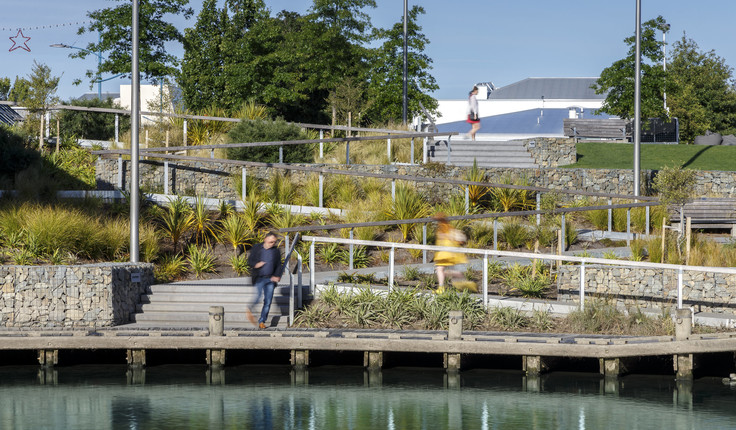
[{"x": 265, "y": 262}]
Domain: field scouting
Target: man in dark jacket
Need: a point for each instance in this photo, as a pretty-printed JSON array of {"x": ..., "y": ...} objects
[{"x": 265, "y": 260}]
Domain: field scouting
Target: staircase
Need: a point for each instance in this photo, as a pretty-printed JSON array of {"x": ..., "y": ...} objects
[
  {"x": 186, "y": 304},
  {"x": 487, "y": 153}
]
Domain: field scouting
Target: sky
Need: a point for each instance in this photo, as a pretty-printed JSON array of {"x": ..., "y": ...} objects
[{"x": 471, "y": 41}]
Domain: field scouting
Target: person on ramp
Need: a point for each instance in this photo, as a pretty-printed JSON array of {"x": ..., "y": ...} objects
[{"x": 265, "y": 260}]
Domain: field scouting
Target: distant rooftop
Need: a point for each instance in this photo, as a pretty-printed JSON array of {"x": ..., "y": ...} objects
[
  {"x": 93, "y": 96},
  {"x": 8, "y": 115},
  {"x": 549, "y": 88}
]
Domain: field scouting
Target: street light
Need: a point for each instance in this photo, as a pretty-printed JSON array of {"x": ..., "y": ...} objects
[{"x": 99, "y": 64}]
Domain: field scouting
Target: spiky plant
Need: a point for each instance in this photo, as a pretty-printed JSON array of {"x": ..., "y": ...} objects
[
  {"x": 235, "y": 231},
  {"x": 408, "y": 204},
  {"x": 200, "y": 260},
  {"x": 177, "y": 220},
  {"x": 476, "y": 193},
  {"x": 203, "y": 223}
]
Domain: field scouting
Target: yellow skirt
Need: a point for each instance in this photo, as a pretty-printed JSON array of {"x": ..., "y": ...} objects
[{"x": 446, "y": 258}]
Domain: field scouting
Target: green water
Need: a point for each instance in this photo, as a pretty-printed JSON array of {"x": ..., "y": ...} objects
[{"x": 275, "y": 397}]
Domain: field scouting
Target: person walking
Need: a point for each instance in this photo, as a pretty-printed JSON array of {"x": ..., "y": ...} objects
[
  {"x": 444, "y": 261},
  {"x": 473, "y": 118},
  {"x": 265, "y": 260}
]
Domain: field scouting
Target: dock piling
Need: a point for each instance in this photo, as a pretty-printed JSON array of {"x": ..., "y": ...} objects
[
  {"x": 299, "y": 358},
  {"x": 683, "y": 363},
  {"x": 454, "y": 332},
  {"x": 136, "y": 358},
  {"x": 533, "y": 365},
  {"x": 373, "y": 360},
  {"x": 48, "y": 357}
]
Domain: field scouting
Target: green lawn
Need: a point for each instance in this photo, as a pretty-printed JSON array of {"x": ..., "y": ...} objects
[{"x": 599, "y": 155}]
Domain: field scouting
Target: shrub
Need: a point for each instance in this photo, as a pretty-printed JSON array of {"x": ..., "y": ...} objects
[
  {"x": 514, "y": 234},
  {"x": 235, "y": 231},
  {"x": 170, "y": 268},
  {"x": 177, "y": 220},
  {"x": 269, "y": 131},
  {"x": 408, "y": 204},
  {"x": 330, "y": 253},
  {"x": 200, "y": 260},
  {"x": 508, "y": 318},
  {"x": 92, "y": 125},
  {"x": 239, "y": 263}
]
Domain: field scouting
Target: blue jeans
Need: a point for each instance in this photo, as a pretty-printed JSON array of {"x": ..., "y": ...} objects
[{"x": 264, "y": 287}]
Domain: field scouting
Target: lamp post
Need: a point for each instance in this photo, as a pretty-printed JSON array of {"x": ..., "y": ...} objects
[
  {"x": 99, "y": 63},
  {"x": 406, "y": 61},
  {"x": 637, "y": 103},
  {"x": 665, "y": 29}
]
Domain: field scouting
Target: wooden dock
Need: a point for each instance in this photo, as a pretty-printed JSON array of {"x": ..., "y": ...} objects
[{"x": 534, "y": 349}]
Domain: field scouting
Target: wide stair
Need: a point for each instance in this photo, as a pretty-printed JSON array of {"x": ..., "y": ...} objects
[
  {"x": 486, "y": 153},
  {"x": 186, "y": 304}
]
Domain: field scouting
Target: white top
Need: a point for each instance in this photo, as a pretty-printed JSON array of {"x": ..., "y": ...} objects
[{"x": 472, "y": 104}]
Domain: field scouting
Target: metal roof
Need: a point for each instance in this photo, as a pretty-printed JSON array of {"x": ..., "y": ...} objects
[
  {"x": 8, "y": 115},
  {"x": 549, "y": 88},
  {"x": 532, "y": 121}
]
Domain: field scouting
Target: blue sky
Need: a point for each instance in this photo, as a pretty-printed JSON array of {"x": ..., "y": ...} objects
[{"x": 470, "y": 40}]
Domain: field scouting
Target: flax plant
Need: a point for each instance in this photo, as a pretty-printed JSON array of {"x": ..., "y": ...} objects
[
  {"x": 200, "y": 260},
  {"x": 476, "y": 193},
  {"x": 235, "y": 231},
  {"x": 177, "y": 220},
  {"x": 203, "y": 223},
  {"x": 408, "y": 204}
]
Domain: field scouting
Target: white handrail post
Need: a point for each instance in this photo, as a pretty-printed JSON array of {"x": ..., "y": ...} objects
[
  {"x": 495, "y": 234},
  {"x": 539, "y": 206},
  {"x": 347, "y": 153},
  {"x": 299, "y": 293},
  {"x": 485, "y": 280},
  {"x": 628, "y": 226},
  {"x": 582, "y": 286},
  {"x": 311, "y": 267},
  {"x": 391, "y": 256},
  {"x": 350, "y": 265},
  {"x": 467, "y": 199},
  {"x": 679, "y": 288},
  {"x": 281, "y": 153},
  {"x": 117, "y": 129},
  {"x": 563, "y": 238},
  {"x": 244, "y": 184},
  {"x": 185, "y": 132},
  {"x": 291, "y": 295},
  {"x": 321, "y": 144},
  {"x": 610, "y": 216},
  {"x": 647, "y": 220},
  {"x": 411, "y": 153},
  {"x": 120, "y": 172},
  {"x": 424, "y": 242},
  {"x": 320, "y": 202},
  {"x": 166, "y": 178},
  {"x": 212, "y": 153},
  {"x": 393, "y": 190},
  {"x": 388, "y": 149},
  {"x": 424, "y": 151}
]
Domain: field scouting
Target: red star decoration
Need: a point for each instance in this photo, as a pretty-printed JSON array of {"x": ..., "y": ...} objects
[{"x": 16, "y": 45}]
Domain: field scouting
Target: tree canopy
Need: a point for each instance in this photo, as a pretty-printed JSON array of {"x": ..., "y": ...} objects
[{"x": 114, "y": 26}]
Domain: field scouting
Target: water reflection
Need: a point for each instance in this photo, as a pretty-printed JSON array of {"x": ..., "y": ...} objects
[{"x": 277, "y": 397}]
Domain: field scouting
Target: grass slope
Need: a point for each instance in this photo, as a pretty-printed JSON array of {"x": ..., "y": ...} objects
[{"x": 600, "y": 155}]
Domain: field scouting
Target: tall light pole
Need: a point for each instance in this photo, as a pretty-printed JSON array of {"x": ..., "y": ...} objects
[
  {"x": 406, "y": 61},
  {"x": 665, "y": 29},
  {"x": 135, "y": 111},
  {"x": 637, "y": 103},
  {"x": 99, "y": 63}
]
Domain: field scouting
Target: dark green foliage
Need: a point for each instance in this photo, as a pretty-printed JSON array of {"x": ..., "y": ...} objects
[
  {"x": 92, "y": 125},
  {"x": 14, "y": 155},
  {"x": 269, "y": 131}
]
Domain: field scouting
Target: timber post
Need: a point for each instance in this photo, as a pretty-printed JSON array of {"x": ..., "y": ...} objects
[
  {"x": 300, "y": 358},
  {"x": 48, "y": 357},
  {"x": 136, "y": 358},
  {"x": 533, "y": 365},
  {"x": 452, "y": 361},
  {"x": 216, "y": 357},
  {"x": 373, "y": 360},
  {"x": 683, "y": 363}
]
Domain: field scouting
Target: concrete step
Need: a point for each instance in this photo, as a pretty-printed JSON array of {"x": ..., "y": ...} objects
[
  {"x": 178, "y": 315},
  {"x": 195, "y": 320},
  {"x": 486, "y": 153},
  {"x": 205, "y": 307},
  {"x": 205, "y": 298}
]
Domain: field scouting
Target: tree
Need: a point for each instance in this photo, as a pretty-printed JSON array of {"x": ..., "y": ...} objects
[
  {"x": 41, "y": 93},
  {"x": 385, "y": 76},
  {"x": 269, "y": 131},
  {"x": 92, "y": 125},
  {"x": 20, "y": 91},
  {"x": 345, "y": 16},
  {"x": 5, "y": 88},
  {"x": 705, "y": 97},
  {"x": 114, "y": 26},
  {"x": 617, "y": 80}
]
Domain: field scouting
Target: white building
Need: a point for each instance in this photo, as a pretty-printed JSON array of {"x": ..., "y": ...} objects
[{"x": 533, "y": 107}]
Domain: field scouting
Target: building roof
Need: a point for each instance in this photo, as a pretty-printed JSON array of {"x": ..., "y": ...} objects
[
  {"x": 549, "y": 88},
  {"x": 8, "y": 115},
  {"x": 532, "y": 121},
  {"x": 93, "y": 96}
]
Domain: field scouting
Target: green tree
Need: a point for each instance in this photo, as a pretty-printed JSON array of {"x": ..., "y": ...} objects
[
  {"x": 617, "y": 80},
  {"x": 5, "y": 87},
  {"x": 41, "y": 93},
  {"x": 114, "y": 26},
  {"x": 345, "y": 16},
  {"x": 92, "y": 125},
  {"x": 21, "y": 90},
  {"x": 269, "y": 131},
  {"x": 705, "y": 97},
  {"x": 386, "y": 72}
]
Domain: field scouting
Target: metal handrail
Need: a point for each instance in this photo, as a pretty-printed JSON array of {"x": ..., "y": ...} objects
[
  {"x": 287, "y": 259},
  {"x": 531, "y": 256}
]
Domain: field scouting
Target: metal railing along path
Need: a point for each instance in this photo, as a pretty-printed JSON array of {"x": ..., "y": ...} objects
[{"x": 486, "y": 254}]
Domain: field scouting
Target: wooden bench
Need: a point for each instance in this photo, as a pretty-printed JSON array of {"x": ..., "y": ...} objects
[
  {"x": 600, "y": 129},
  {"x": 709, "y": 213}
]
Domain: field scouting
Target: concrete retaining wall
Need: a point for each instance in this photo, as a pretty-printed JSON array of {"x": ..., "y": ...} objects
[
  {"x": 649, "y": 288},
  {"x": 94, "y": 295}
]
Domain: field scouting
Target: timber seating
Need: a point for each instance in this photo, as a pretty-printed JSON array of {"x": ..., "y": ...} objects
[
  {"x": 709, "y": 213},
  {"x": 595, "y": 129}
]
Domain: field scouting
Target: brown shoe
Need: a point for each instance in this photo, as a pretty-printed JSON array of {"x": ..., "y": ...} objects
[
  {"x": 261, "y": 326},
  {"x": 250, "y": 316}
]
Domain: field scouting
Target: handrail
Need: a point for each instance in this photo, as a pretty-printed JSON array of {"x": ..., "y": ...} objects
[
  {"x": 378, "y": 175},
  {"x": 287, "y": 258},
  {"x": 531, "y": 256}
]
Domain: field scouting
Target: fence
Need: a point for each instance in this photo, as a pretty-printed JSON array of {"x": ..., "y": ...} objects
[{"x": 487, "y": 254}]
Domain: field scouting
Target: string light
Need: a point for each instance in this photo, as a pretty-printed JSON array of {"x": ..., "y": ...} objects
[{"x": 44, "y": 27}]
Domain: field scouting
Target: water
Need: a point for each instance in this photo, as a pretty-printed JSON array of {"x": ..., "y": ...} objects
[{"x": 275, "y": 397}]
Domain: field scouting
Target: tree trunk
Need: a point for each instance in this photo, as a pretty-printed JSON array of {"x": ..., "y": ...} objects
[{"x": 40, "y": 134}]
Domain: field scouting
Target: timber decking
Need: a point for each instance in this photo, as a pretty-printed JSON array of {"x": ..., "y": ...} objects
[{"x": 492, "y": 343}]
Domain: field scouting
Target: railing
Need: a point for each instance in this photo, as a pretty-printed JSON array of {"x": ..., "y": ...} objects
[
  {"x": 298, "y": 270},
  {"x": 486, "y": 254}
]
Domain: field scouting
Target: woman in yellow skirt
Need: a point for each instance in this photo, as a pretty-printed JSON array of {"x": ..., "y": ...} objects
[{"x": 449, "y": 236}]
